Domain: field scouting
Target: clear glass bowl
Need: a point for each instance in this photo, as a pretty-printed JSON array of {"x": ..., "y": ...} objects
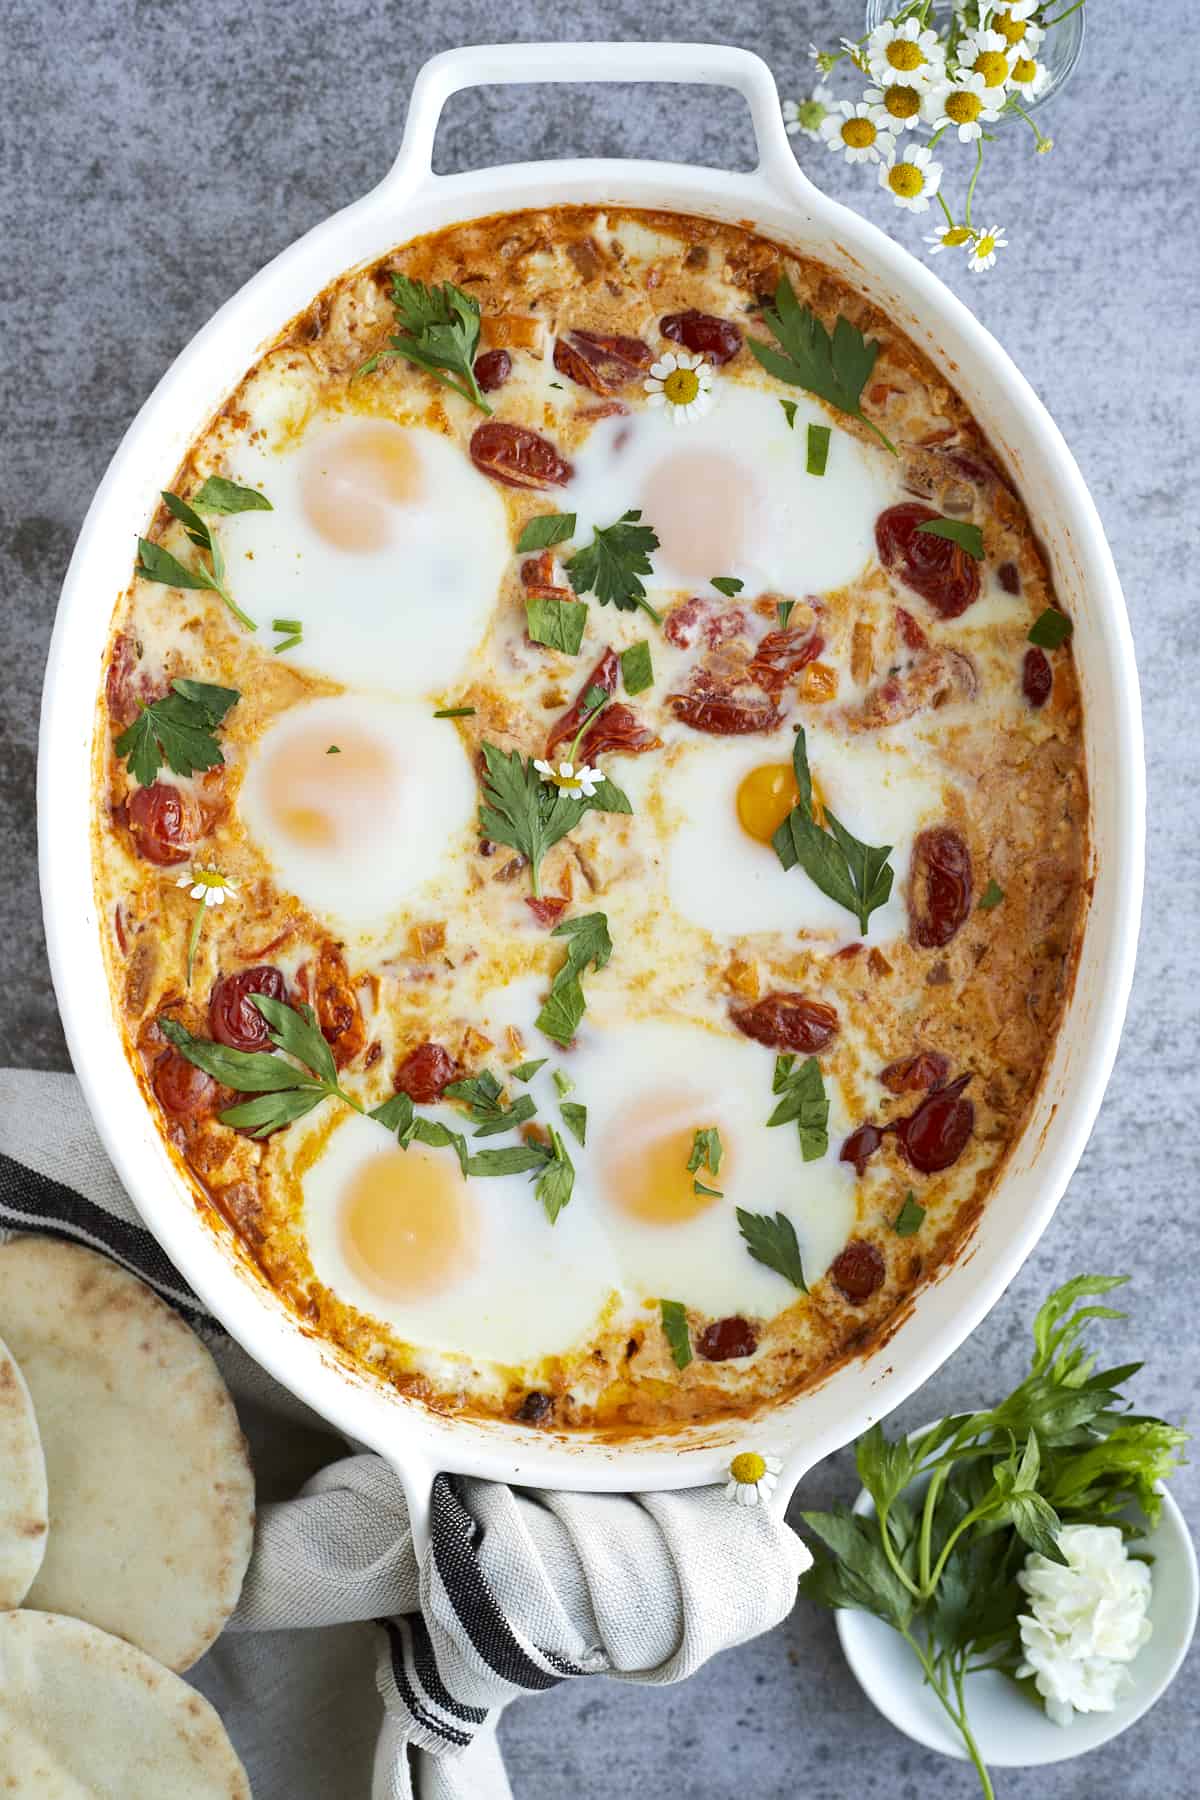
[{"x": 1059, "y": 49}]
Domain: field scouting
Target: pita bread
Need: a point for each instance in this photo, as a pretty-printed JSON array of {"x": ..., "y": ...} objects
[
  {"x": 151, "y": 1493},
  {"x": 84, "y": 1713},
  {"x": 23, "y": 1516}
]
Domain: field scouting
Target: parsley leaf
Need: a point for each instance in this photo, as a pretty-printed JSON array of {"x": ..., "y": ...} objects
[
  {"x": 910, "y": 1218},
  {"x": 728, "y": 585},
  {"x": 968, "y": 537},
  {"x": 563, "y": 1083},
  {"x": 575, "y": 1119},
  {"x": 706, "y": 1151},
  {"x": 836, "y": 368},
  {"x": 857, "y": 875},
  {"x": 177, "y": 729},
  {"x": 991, "y": 896},
  {"x": 675, "y": 1330},
  {"x": 557, "y": 623},
  {"x": 156, "y": 564},
  {"x": 439, "y": 332},
  {"x": 527, "y": 1070},
  {"x": 804, "y": 1100},
  {"x": 637, "y": 670},
  {"x": 217, "y": 495},
  {"x": 772, "y": 1242},
  {"x": 546, "y": 530},
  {"x": 557, "y": 1180},
  {"x": 612, "y": 564},
  {"x": 1051, "y": 629},
  {"x": 588, "y": 943},
  {"x": 483, "y": 1095},
  {"x": 818, "y": 449},
  {"x": 529, "y": 814},
  {"x": 783, "y": 612},
  {"x": 789, "y": 413},
  {"x": 285, "y": 1091}
]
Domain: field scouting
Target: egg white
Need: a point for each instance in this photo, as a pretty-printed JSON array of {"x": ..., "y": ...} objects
[{"x": 402, "y": 618}]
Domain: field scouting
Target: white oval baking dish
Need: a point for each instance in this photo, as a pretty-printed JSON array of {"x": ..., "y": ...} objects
[{"x": 778, "y": 199}]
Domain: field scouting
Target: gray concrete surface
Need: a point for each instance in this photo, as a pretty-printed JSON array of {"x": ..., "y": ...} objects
[{"x": 153, "y": 156}]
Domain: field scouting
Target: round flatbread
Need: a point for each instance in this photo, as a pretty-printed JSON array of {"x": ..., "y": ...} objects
[
  {"x": 23, "y": 1517},
  {"x": 151, "y": 1493},
  {"x": 84, "y": 1713}
]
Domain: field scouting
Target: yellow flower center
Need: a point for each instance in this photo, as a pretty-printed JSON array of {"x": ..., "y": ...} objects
[
  {"x": 748, "y": 1468},
  {"x": 1010, "y": 29},
  {"x": 957, "y": 234},
  {"x": 860, "y": 134},
  {"x": 905, "y": 179},
  {"x": 902, "y": 53},
  {"x": 1024, "y": 69},
  {"x": 963, "y": 106},
  {"x": 902, "y": 102},
  {"x": 681, "y": 386},
  {"x": 986, "y": 245},
  {"x": 208, "y": 878},
  {"x": 993, "y": 66}
]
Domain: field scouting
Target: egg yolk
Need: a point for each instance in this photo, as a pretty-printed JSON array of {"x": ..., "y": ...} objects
[
  {"x": 648, "y": 1177},
  {"x": 353, "y": 483},
  {"x": 408, "y": 1226},
  {"x": 700, "y": 503},
  {"x": 314, "y": 792},
  {"x": 765, "y": 797}
]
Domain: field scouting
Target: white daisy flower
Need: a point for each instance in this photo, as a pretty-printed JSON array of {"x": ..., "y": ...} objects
[
  {"x": 912, "y": 179},
  {"x": 807, "y": 115},
  {"x": 207, "y": 885},
  {"x": 904, "y": 53},
  {"x": 900, "y": 104},
  {"x": 752, "y": 1478},
  {"x": 948, "y": 237},
  {"x": 966, "y": 105},
  {"x": 859, "y": 131},
  {"x": 682, "y": 383},
  {"x": 1015, "y": 24},
  {"x": 1028, "y": 78},
  {"x": 824, "y": 59},
  {"x": 987, "y": 243},
  {"x": 576, "y": 783},
  {"x": 855, "y": 52},
  {"x": 985, "y": 52}
]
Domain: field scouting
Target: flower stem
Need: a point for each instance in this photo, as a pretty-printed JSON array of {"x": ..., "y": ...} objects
[
  {"x": 194, "y": 937},
  {"x": 973, "y": 180},
  {"x": 957, "y": 1715}
]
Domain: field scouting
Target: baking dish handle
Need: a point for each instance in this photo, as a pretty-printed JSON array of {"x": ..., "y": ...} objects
[{"x": 487, "y": 65}]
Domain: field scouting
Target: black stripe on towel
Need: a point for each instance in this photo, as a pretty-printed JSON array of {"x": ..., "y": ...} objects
[
  {"x": 454, "y": 1536},
  {"x": 396, "y": 1630},
  {"x": 30, "y": 1201},
  {"x": 429, "y": 1675}
]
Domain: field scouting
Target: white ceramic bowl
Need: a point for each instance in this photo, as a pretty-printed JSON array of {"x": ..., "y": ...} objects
[
  {"x": 782, "y": 202},
  {"x": 1010, "y": 1728}
]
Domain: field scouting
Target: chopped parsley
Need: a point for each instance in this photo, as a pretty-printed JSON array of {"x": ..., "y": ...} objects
[
  {"x": 783, "y": 612},
  {"x": 857, "y": 876},
  {"x": 729, "y": 585},
  {"x": 637, "y": 670},
  {"x": 772, "y": 1242},
  {"x": 804, "y": 1100},
  {"x": 178, "y": 730},
  {"x": 484, "y": 1097},
  {"x": 455, "y": 712},
  {"x": 527, "y": 1070},
  {"x": 547, "y": 530},
  {"x": 217, "y": 495},
  {"x": 991, "y": 896},
  {"x": 835, "y": 367},
  {"x": 559, "y": 624},
  {"x": 910, "y": 1218},
  {"x": 575, "y": 1119},
  {"x": 818, "y": 449},
  {"x": 968, "y": 537},
  {"x": 675, "y": 1330},
  {"x": 588, "y": 945},
  {"x": 1051, "y": 629},
  {"x": 438, "y": 331},
  {"x": 789, "y": 413},
  {"x": 612, "y": 565}
]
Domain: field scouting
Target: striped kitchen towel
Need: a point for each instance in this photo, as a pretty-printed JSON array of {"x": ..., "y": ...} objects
[{"x": 519, "y": 1591}]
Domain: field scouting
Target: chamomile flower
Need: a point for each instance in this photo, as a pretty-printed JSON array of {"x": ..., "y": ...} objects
[
  {"x": 1028, "y": 78},
  {"x": 808, "y": 115},
  {"x": 1014, "y": 22},
  {"x": 682, "y": 383},
  {"x": 858, "y": 130},
  {"x": 948, "y": 237},
  {"x": 576, "y": 783},
  {"x": 985, "y": 52},
  {"x": 824, "y": 59},
  {"x": 752, "y": 1478},
  {"x": 966, "y": 105},
  {"x": 905, "y": 54},
  {"x": 900, "y": 104},
  {"x": 207, "y": 885},
  {"x": 912, "y": 179},
  {"x": 855, "y": 52},
  {"x": 987, "y": 243}
]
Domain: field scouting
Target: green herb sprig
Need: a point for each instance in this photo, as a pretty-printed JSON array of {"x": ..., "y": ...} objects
[
  {"x": 218, "y": 496},
  {"x": 588, "y": 945},
  {"x": 772, "y": 1242},
  {"x": 959, "y": 1506},
  {"x": 531, "y": 815},
  {"x": 612, "y": 565},
  {"x": 438, "y": 331},
  {"x": 857, "y": 875},
  {"x": 803, "y": 1100},
  {"x": 179, "y": 730},
  {"x": 675, "y": 1329},
  {"x": 968, "y": 537},
  {"x": 835, "y": 367}
]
